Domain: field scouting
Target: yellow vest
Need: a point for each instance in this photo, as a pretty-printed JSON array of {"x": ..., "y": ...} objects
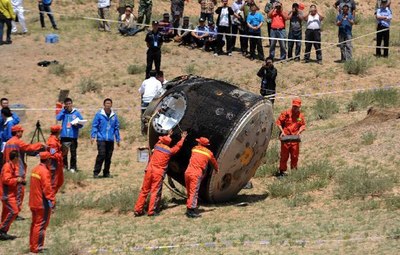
[{"x": 6, "y": 9}]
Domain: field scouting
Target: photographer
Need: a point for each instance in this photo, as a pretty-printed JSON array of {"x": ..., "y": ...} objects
[
  {"x": 345, "y": 22},
  {"x": 313, "y": 33},
  {"x": 69, "y": 133},
  {"x": 278, "y": 18},
  {"x": 268, "y": 74},
  {"x": 295, "y": 32}
]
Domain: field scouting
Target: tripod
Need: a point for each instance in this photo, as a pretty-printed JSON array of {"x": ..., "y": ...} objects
[{"x": 38, "y": 134}]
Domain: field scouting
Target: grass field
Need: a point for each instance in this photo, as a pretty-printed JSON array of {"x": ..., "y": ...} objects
[{"x": 344, "y": 198}]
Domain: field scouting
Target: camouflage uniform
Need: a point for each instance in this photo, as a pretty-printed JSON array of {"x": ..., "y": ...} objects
[
  {"x": 122, "y": 4},
  {"x": 177, "y": 7},
  {"x": 145, "y": 10}
]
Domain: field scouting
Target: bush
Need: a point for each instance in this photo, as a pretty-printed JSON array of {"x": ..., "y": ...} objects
[
  {"x": 123, "y": 124},
  {"x": 368, "y": 138},
  {"x": 190, "y": 69},
  {"x": 57, "y": 69},
  {"x": 358, "y": 182},
  {"x": 311, "y": 177},
  {"x": 87, "y": 84},
  {"x": 380, "y": 97},
  {"x": 136, "y": 69},
  {"x": 357, "y": 66},
  {"x": 325, "y": 108}
]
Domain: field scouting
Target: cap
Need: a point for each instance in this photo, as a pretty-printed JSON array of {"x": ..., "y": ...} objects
[
  {"x": 186, "y": 18},
  {"x": 201, "y": 20},
  {"x": 44, "y": 155},
  {"x": 203, "y": 141},
  {"x": 17, "y": 128},
  {"x": 296, "y": 102},
  {"x": 155, "y": 22},
  {"x": 165, "y": 139},
  {"x": 166, "y": 14},
  {"x": 55, "y": 128}
]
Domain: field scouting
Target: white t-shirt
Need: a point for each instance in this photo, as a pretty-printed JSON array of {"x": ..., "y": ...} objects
[
  {"x": 103, "y": 3},
  {"x": 314, "y": 22},
  {"x": 149, "y": 89},
  {"x": 224, "y": 18}
]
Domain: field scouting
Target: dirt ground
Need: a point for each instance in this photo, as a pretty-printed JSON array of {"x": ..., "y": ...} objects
[{"x": 268, "y": 225}]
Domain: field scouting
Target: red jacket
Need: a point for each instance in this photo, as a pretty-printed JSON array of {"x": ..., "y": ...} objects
[
  {"x": 41, "y": 192},
  {"x": 17, "y": 144},
  {"x": 161, "y": 156},
  {"x": 291, "y": 122},
  {"x": 9, "y": 175},
  {"x": 56, "y": 165},
  {"x": 199, "y": 160}
]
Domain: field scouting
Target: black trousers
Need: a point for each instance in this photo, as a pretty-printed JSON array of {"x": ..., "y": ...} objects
[
  {"x": 313, "y": 35},
  {"x": 153, "y": 55},
  {"x": 46, "y": 8},
  {"x": 382, "y": 36},
  {"x": 104, "y": 153},
  {"x": 8, "y": 33},
  {"x": 227, "y": 30},
  {"x": 256, "y": 43},
  {"x": 269, "y": 31},
  {"x": 69, "y": 144}
]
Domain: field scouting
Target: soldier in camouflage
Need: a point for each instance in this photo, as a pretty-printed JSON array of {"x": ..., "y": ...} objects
[{"x": 145, "y": 7}]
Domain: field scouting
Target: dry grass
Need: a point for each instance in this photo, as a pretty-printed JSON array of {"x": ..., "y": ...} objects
[{"x": 95, "y": 213}]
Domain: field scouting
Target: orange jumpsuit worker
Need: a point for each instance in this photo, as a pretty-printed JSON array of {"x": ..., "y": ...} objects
[
  {"x": 8, "y": 193},
  {"x": 290, "y": 122},
  {"x": 15, "y": 143},
  {"x": 155, "y": 173},
  {"x": 41, "y": 202},
  {"x": 56, "y": 164},
  {"x": 195, "y": 173}
]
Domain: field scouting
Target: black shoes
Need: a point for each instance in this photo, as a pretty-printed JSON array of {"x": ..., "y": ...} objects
[
  {"x": 19, "y": 218},
  {"x": 138, "y": 214},
  {"x": 5, "y": 236},
  {"x": 191, "y": 213},
  {"x": 281, "y": 174}
]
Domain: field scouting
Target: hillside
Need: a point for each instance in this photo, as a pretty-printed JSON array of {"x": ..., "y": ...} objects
[{"x": 345, "y": 199}]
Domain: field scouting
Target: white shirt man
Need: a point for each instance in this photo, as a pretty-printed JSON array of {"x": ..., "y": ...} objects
[{"x": 148, "y": 90}]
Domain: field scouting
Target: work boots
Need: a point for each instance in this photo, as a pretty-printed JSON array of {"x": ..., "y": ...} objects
[
  {"x": 5, "y": 236},
  {"x": 191, "y": 213}
]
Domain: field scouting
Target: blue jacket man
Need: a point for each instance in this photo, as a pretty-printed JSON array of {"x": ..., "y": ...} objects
[
  {"x": 105, "y": 129},
  {"x": 6, "y": 123},
  {"x": 70, "y": 132}
]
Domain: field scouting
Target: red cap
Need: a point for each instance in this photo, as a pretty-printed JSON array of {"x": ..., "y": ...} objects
[
  {"x": 17, "y": 128},
  {"x": 55, "y": 128},
  {"x": 301, "y": 6},
  {"x": 203, "y": 141},
  {"x": 296, "y": 102},
  {"x": 44, "y": 155},
  {"x": 165, "y": 139}
]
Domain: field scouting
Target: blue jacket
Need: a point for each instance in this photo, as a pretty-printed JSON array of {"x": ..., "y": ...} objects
[
  {"x": 5, "y": 130},
  {"x": 69, "y": 130},
  {"x": 15, "y": 118},
  {"x": 105, "y": 128}
]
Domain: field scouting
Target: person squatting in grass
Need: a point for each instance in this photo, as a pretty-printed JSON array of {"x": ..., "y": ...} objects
[
  {"x": 290, "y": 122},
  {"x": 42, "y": 202},
  {"x": 56, "y": 162},
  {"x": 195, "y": 173},
  {"x": 15, "y": 143},
  {"x": 155, "y": 173},
  {"x": 127, "y": 24},
  {"x": 105, "y": 130},
  {"x": 10, "y": 181},
  {"x": 69, "y": 132}
]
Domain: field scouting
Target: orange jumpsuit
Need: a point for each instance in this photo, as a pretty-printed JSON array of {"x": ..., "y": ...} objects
[
  {"x": 291, "y": 123},
  {"x": 56, "y": 167},
  {"x": 195, "y": 172},
  {"x": 154, "y": 176},
  {"x": 17, "y": 144},
  {"x": 8, "y": 193},
  {"x": 41, "y": 202}
]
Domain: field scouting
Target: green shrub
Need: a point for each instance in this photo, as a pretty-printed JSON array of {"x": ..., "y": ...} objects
[
  {"x": 87, "y": 84},
  {"x": 271, "y": 163},
  {"x": 368, "y": 138},
  {"x": 311, "y": 177},
  {"x": 357, "y": 65},
  {"x": 123, "y": 124},
  {"x": 136, "y": 69},
  {"x": 358, "y": 182},
  {"x": 380, "y": 97},
  {"x": 85, "y": 132},
  {"x": 57, "y": 69},
  {"x": 299, "y": 200},
  {"x": 190, "y": 69},
  {"x": 324, "y": 108}
]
